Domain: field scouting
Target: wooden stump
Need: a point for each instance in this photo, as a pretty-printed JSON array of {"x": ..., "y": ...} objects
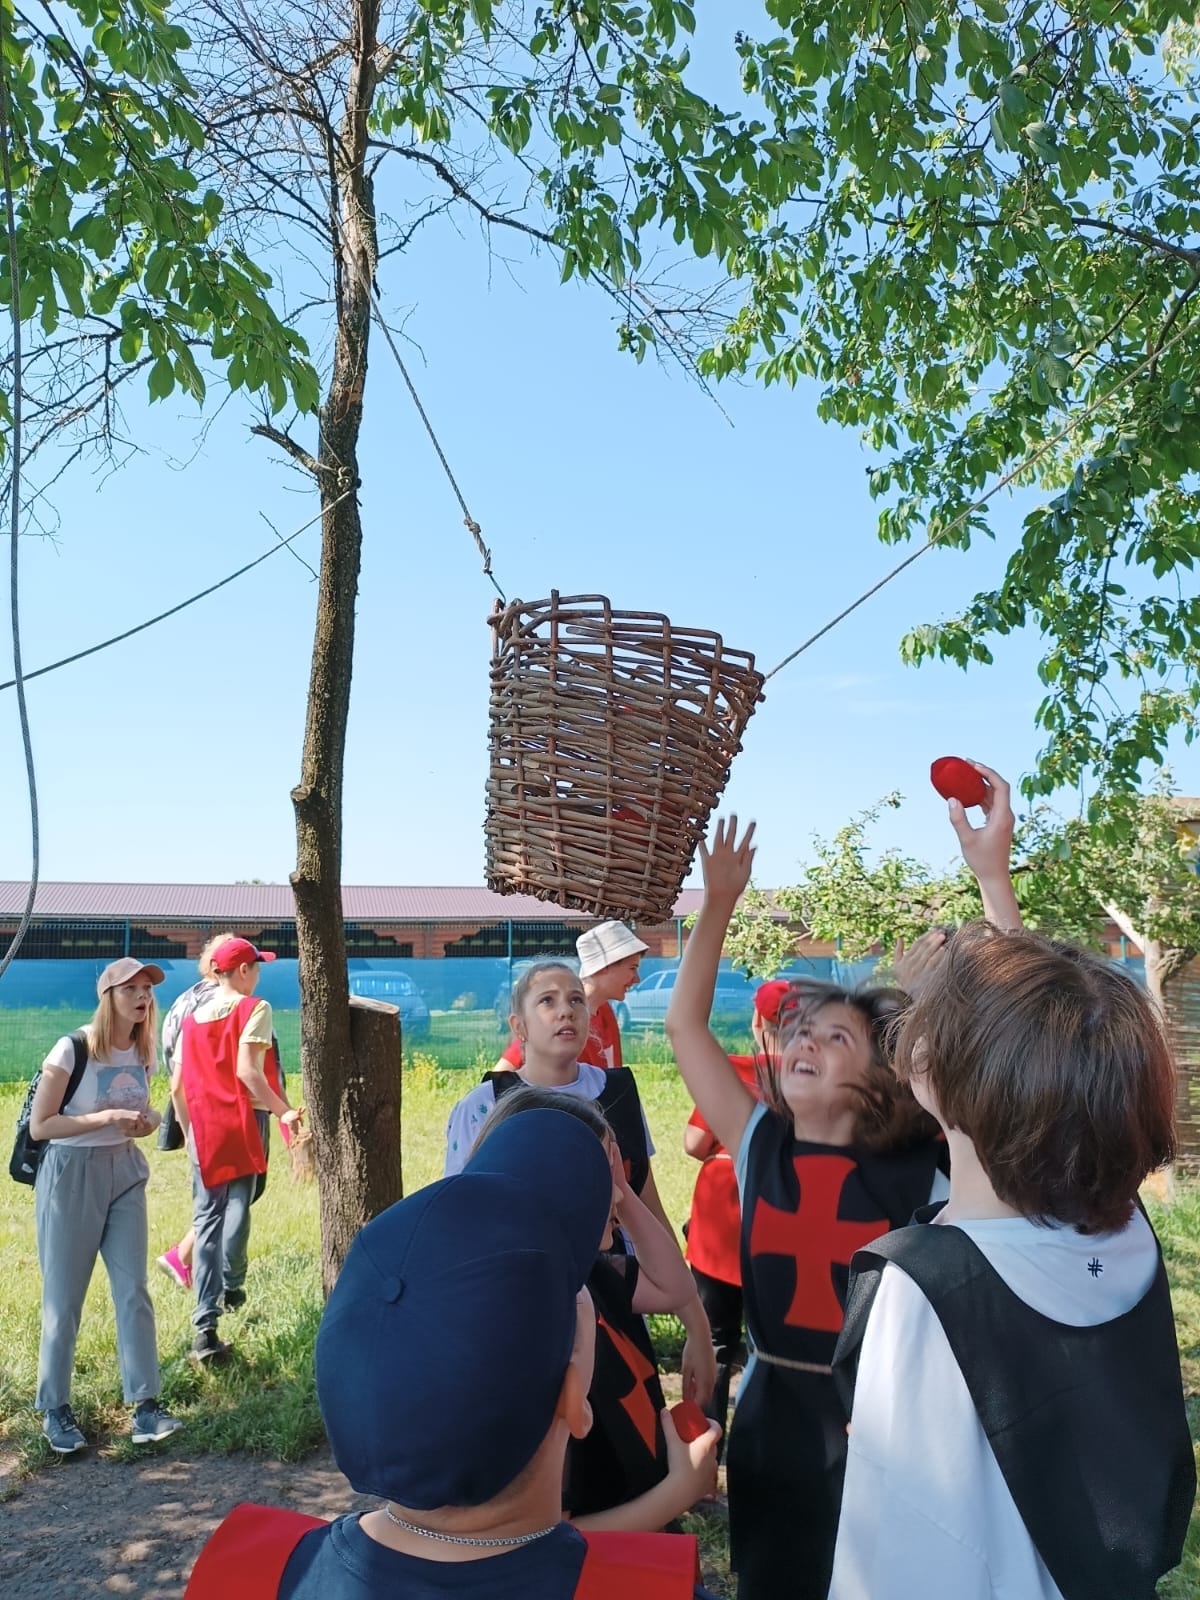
[{"x": 368, "y": 1129}]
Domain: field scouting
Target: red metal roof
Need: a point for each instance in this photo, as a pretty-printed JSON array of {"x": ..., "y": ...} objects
[{"x": 272, "y": 902}]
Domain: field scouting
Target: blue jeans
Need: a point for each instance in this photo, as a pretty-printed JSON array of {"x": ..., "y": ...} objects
[{"x": 221, "y": 1219}]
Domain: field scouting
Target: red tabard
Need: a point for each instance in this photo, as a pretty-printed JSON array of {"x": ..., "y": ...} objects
[
  {"x": 220, "y": 1109},
  {"x": 714, "y": 1227},
  {"x": 245, "y": 1560}
]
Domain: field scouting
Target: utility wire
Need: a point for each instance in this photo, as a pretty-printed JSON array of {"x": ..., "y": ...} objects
[
  {"x": 14, "y": 299},
  {"x": 183, "y": 604},
  {"x": 472, "y": 526},
  {"x": 1001, "y": 483}
]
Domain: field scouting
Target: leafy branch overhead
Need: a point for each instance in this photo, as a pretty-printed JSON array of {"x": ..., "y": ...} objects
[
  {"x": 1132, "y": 861},
  {"x": 114, "y": 232},
  {"x": 984, "y": 222}
]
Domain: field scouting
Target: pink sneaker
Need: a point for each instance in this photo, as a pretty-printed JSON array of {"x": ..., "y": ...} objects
[{"x": 175, "y": 1268}]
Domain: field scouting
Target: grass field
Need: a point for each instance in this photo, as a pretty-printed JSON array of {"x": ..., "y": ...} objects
[
  {"x": 265, "y": 1402},
  {"x": 460, "y": 1040}
]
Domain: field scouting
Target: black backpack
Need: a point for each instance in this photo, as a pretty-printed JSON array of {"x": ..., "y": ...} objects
[{"x": 27, "y": 1151}]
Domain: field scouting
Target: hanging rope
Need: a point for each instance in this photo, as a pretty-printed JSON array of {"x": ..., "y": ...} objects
[
  {"x": 472, "y": 526},
  {"x": 183, "y": 604},
  {"x": 14, "y": 283},
  {"x": 1001, "y": 483}
]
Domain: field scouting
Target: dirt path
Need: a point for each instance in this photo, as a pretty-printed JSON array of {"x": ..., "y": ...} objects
[{"x": 90, "y": 1526}]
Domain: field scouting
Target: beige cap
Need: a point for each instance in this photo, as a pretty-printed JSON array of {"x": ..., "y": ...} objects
[
  {"x": 124, "y": 971},
  {"x": 604, "y": 945}
]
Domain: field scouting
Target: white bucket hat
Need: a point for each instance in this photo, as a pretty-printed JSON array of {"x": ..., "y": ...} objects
[{"x": 604, "y": 945}]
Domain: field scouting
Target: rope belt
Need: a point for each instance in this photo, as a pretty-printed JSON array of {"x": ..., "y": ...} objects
[{"x": 793, "y": 1366}]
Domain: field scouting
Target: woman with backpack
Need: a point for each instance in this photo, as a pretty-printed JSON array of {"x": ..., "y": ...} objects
[{"x": 90, "y": 1200}]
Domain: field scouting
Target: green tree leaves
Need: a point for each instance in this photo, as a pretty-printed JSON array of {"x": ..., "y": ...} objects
[
  {"x": 1133, "y": 858},
  {"x": 113, "y": 230},
  {"x": 1000, "y": 242}
]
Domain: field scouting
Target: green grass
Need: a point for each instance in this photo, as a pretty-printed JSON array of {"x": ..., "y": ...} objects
[
  {"x": 460, "y": 1041},
  {"x": 265, "y": 1402},
  {"x": 1178, "y": 1229}
]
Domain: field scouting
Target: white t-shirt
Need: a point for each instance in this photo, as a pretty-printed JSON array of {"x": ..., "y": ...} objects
[
  {"x": 926, "y": 1510},
  {"x": 121, "y": 1083},
  {"x": 469, "y": 1115}
]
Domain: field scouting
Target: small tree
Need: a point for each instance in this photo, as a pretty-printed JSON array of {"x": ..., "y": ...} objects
[
  {"x": 983, "y": 248},
  {"x": 569, "y": 125},
  {"x": 1130, "y": 861},
  {"x": 844, "y": 895},
  {"x": 123, "y": 264}
]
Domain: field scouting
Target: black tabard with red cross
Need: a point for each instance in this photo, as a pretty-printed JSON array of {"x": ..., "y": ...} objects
[
  {"x": 625, "y": 1453},
  {"x": 813, "y": 1206},
  {"x": 622, "y": 1107}
]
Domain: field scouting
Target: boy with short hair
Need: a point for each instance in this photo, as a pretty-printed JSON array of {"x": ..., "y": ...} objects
[
  {"x": 226, "y": 1087},
  {"x": 453, "y": 1364}
]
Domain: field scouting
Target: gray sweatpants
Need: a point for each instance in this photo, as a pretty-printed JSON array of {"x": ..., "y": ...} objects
[{"x": 91, "y": 1200}]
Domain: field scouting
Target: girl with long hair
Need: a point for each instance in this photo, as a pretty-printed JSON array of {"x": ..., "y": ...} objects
[{"x": 90, "y": 1200}]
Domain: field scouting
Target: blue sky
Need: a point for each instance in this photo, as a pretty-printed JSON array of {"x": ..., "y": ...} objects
[{"x": 171, "y": 757}]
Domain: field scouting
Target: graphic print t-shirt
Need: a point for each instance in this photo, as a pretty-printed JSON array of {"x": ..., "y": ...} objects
[{"x": 121, "y": 1083}]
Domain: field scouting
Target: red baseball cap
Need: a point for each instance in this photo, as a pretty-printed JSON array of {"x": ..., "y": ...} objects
[
  {"x": 233, "y": 953},
  {"x": 769, "y": 997}
]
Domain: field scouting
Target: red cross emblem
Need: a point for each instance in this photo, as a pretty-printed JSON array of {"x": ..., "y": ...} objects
[
  {"x": 637, "y": 1403},
  {"x": 814, "y": 1238}
]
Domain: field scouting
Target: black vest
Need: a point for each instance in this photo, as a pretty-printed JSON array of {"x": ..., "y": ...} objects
[
  {"x": 1087, "y": 1424},
  {"x": 808, "y": 1208},
  {"x": 625, "y": 1453},
  {"x": 622, "y": 1107}
]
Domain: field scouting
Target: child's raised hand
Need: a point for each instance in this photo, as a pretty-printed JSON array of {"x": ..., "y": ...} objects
[
  {"x": 912, "y": 966},
  {"x": 988, "y": 850},
  {"x": 726, "y": 866}
]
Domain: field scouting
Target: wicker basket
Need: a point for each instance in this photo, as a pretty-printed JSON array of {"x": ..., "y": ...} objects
[{"x": 612, "y": 733}]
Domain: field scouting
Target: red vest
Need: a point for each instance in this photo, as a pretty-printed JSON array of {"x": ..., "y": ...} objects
[
  {"x": 220, "y": 1110},
  {"x": 714, "y": 1228},
  {"x": 245, "y": 1558}
]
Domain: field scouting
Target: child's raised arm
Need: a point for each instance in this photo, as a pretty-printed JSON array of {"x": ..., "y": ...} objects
[
  {"x": 988, "y": 850},
  {"x": 664, "y": 1281},
  {"x": 724, "y": 1101}
]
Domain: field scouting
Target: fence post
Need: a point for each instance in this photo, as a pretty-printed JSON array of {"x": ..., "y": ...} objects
[{"x": 127, "y": 941}]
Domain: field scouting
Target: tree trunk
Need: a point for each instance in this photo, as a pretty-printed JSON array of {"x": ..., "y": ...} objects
[
  {"x": 356, "y": 1147},
  {"x": 1162, "y": 964}
]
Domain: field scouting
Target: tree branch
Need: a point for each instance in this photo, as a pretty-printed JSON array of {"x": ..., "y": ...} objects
[
  {"x": 1123, "y": 922},
  {"x": 288, "y": 444},
  {"x": 460, "y": 191},
  {"x": 1152, "y": 241}
]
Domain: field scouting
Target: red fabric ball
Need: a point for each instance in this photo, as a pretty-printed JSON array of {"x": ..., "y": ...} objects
[
  {"x": 690, "y": 1422},
  {"x": 956, "y": 779}
]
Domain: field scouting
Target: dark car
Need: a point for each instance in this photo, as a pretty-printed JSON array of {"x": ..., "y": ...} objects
[
  {"x": 398, "y": 989},
  {"x": 646, "y": 1005}
]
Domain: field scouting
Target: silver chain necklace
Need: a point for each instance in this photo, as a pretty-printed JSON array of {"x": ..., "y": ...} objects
[{"x": 458, "y": 1538}]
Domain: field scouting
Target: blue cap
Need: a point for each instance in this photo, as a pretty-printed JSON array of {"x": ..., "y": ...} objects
[{"x": 442, "y": 1351}]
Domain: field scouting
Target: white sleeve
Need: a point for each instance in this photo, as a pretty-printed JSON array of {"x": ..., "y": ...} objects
[
  {"x": 464, "y": 1122},
  {"x": 925, "y": 1510},
  {"x": 62, "y": 1056}
]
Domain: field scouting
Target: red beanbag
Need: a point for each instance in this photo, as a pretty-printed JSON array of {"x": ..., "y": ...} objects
[
  {"x": 690, "y": 1422},
  {"x": 956, "y": 779}
]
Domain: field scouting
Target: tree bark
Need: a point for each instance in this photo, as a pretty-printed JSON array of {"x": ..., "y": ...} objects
[
  {"x": 1162, "y": 961},
  {"x": 356, "y": 1147}
]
